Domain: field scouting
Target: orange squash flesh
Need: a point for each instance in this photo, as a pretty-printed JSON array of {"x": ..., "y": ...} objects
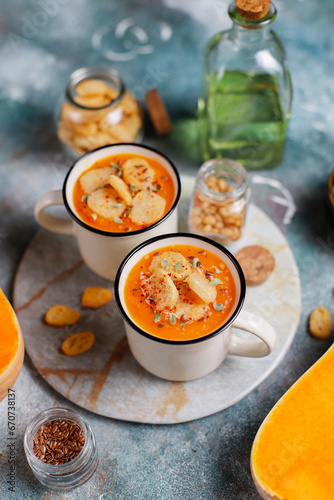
[
  {"x": 11, "y": 346},
  {"x": 293, "y": 452}
]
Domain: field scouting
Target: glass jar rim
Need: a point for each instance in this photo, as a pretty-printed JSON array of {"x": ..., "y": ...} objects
[
  {"x": 98, "y": 72},
  {"x": 49, "y": 415},
  {"x": 239, "y": 190},
  {"x": 252, "y": 23}
]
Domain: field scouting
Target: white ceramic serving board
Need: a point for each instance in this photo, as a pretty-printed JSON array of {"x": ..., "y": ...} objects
[{"x": 107, "y": 380}]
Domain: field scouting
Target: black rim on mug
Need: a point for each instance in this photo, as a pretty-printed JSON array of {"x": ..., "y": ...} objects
[
  {"x": 132, "y": 233},
  {"x": 196, "y": 237}
]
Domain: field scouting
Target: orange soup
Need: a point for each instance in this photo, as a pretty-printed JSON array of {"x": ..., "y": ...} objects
[
  {"x": 179, "y": 292},
  {"x": 123, "y": 193}
]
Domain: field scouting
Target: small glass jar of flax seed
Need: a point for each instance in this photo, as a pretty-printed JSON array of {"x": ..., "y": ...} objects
[
  {"x": 218, "y": 206},
  {"x": 60, "y": 448}
]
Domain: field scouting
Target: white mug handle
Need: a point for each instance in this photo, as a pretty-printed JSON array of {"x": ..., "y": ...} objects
[
  {"x": 257, "y": 326},
  {"x": 52, "y": 222}
]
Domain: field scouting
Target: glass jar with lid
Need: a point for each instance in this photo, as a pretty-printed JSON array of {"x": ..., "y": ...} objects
[
  {"x": 97, "y": 110},
  {"x": 53, "y": 432},
  {"x": 219, "y": 202},
  {"x": 247, "y": 92}
]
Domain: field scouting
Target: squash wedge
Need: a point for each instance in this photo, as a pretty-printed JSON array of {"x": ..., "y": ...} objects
[
  {"x": 292, "y": 456},
  {"x": 11, "y": 346}
]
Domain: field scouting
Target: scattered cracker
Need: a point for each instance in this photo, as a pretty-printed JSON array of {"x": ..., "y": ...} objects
[
  {"x": 78, "y": 343},
  {"x": 138, "y": 172},
  {"x": 94, "y": 179},
  {"x": 121, "y": 188},
  {"x": 104, "y": 202},
  {"x": 148, "y": 208},
  {"x": 174, "y": 263},
  {"x": 320, "y": 323},
  {"x": 95, "y": 297},
  {"x": 201, "y": 286},
  {"x": 161, "y": 286},
  {"x": 189, "y": 305},
  {"x": 60, "y": 315},
  {"x": 158, "y": 113},
  {"x": 253, "y": 9},
  {"x": 257, "y": 264}
]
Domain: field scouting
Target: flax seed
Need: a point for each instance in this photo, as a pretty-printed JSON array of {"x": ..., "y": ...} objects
[{"x": 52, "y": 444}]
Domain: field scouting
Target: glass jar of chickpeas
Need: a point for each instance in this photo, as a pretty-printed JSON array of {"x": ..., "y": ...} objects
[{"x": 218, "y": 206}]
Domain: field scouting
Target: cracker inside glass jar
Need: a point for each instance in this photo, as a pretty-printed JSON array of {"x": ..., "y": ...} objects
[
  {"x": 218, "y": 208},
  {"x": 98, "y": 110}
]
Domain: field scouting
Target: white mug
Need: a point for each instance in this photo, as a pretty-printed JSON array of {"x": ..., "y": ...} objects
[
  {"x": 104, "y": 251},
  {"x": 191, "y": 359}
]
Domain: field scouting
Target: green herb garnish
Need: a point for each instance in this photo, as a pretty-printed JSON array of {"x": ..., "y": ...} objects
[
  {"x": 118, "y": 169},
  {"x": 194, "y": 262},
  {"x": 172, "y": 319},
  {"x": 164, "y": 263},
  {"x": 84, "y": 198},
  {"x": 178, "y": 266},
  {"x": 118, "y": 220},
  {"x": 116, "y": 205},
  {"x": 157, "y": 317},
  {"x": 218, "y": 306},
  {"x": 215, "y": 282}
]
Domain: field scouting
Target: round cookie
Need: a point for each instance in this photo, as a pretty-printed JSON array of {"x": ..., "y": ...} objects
[{"x": 257, "y": 264}]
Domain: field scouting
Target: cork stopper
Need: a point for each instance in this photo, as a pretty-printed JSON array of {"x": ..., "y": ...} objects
[
  {"x": 253, "y": 9},
  {"x": 158, "y": 113}
]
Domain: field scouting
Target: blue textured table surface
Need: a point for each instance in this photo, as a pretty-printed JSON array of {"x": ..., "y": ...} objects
[{"x": 43, "y": 41}]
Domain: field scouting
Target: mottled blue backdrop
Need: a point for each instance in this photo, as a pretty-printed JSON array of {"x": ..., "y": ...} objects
[{"x": 160, "y": 43}]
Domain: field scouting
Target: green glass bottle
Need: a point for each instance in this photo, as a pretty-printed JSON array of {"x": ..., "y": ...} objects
[{"x": 246, "y": 102}]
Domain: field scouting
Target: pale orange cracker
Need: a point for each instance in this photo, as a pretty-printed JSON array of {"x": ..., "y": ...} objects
[
  {"x": 60, "y": 315},
  {"x": 85, "y": 129},
  {"x": 78, "y": 343},
  {"x": 320, "y": 323},
  {"x": 91, "y": 87},
  {"x": 130, "y": 105},
  {"x": 257, "y": 264},
  {"x": 96, "y": 101},
  {"x": 96, "y": 297}
]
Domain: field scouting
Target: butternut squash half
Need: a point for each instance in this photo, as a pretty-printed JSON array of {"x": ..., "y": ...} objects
[
  {"x": 11, "y": 346},
  {"x": 292, "y": 456}
]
